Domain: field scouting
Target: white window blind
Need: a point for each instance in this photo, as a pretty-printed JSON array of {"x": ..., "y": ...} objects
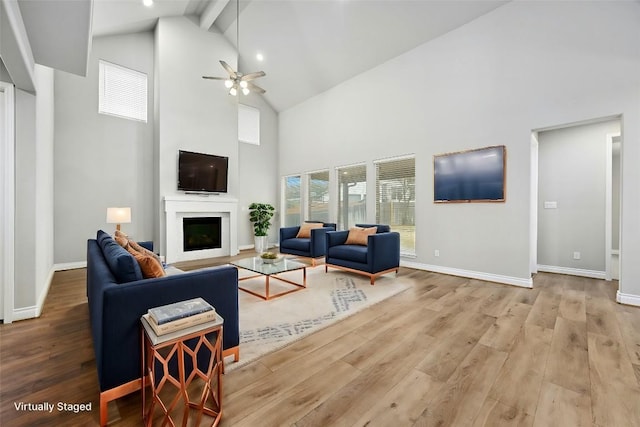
[
  {"x": 292, "y": 200},
  {"x": 396, "y": 199},
  {"x": 318, "y": 196},
  {"x": 352, "y": 196},
  {"x": 248, "y": 124},
  {"x": 122, "y": 92}
]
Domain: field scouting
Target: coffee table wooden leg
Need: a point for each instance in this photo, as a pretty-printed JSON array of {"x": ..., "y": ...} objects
[
  {"x": 304, "y": 277},
  {"x": 267, "y": 294}
]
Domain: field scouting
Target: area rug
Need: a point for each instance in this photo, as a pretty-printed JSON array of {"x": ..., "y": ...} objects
[{"x": 266, "y": 326}]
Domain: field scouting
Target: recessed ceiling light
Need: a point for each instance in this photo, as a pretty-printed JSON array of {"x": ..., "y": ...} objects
[
  {"x": 147, "y": 3},
  {"x": 259, "y": 57}
]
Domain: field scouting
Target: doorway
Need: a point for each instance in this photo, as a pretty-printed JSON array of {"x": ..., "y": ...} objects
[{"x": 575, "y": 215}]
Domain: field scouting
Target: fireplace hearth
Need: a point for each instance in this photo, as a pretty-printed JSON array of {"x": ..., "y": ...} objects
[{"x": 202, "y": 233}]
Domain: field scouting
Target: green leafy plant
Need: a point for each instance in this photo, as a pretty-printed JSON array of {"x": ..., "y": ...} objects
[{"x": 260, "y": 215}]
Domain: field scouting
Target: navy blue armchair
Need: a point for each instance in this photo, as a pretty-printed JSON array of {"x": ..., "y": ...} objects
[
  {"x": 312, "y": 247},
  {"x": 381, "y": 255}
]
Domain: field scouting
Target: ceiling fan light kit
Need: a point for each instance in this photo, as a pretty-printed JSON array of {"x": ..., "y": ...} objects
[{"x": 236, "y": 79}]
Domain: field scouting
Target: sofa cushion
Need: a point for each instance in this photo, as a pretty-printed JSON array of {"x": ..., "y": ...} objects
[
  {"x": 122, "y": 264},
  {"x": 359, "y": 236},
  {"x": 297, "y": 244},
  {"x": 382, "y": 228},
  {"x": 305, "y": 229},
  {"x": 355, "y": 253}
]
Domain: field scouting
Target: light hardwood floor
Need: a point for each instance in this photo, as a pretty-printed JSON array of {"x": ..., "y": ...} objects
[{"x": 448, "y": 351}]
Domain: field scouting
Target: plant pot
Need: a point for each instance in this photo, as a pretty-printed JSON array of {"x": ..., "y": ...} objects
[{"x": 260, "y": 243}]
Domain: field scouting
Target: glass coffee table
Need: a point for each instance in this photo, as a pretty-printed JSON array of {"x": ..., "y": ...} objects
[{"x": 271, "y": 270}]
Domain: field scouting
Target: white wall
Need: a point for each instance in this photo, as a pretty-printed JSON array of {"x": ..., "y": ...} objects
[
  {"x": 44, "y": 196},
  {"x": 524, "y": 66},
  {"x": 34, "y": 195},
  {"x": 198, "y": 115},
  {"x": 572, "y": 173},
  {"x": 258, "y": 168},
  {"x": 101, "y": 160}
]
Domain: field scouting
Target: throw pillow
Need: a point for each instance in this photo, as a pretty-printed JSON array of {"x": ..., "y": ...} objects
[
  {"x": 151, "y": 268},
  {"x": 144, "y": 251},
  {"x": 360, "y": 236},
  {"x": 122, "y": 241},
  {"x": 305, "y": 229}
]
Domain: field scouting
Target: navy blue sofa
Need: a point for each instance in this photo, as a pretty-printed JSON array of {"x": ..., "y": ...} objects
[
  {"x": 380, "y": 256},
  {"x": 312, "y": 247},
  {"x": 118, "y": 296}
]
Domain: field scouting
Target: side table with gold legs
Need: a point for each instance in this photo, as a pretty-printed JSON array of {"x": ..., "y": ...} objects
[{"x": 174, "y": 373}]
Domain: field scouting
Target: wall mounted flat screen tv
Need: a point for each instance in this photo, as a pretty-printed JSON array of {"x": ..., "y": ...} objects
[
  {"x": 202, "y": 173},
  {"x": 470, "y": 176}
]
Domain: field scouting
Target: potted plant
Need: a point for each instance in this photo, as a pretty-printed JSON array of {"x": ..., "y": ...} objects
[{"x": 260, "y": 215}]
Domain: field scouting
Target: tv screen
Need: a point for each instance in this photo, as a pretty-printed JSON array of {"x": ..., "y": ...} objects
[
  {"x": 199, "y": 172},
  {"x": 470, "y": 176}
]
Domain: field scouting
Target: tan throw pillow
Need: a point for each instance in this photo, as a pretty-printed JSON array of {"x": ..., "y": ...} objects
[
  {"x": 359, "y": 236},
  {"x": 122, "y": 241},
  {"x": 144, "y": 251},
  {"x": 305, "y": 229},
  {"x": 151, "y": 268}
]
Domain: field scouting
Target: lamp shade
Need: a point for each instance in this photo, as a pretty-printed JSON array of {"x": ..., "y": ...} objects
[{"x": 118, "y": 215}]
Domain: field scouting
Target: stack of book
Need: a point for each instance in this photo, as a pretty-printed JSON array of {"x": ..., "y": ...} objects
[{"x": 179, "y": 315}]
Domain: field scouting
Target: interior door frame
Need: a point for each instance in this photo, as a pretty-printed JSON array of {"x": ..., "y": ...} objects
[
  {"x": 7, "y": 202},
  {"x": 611, "y": 138}
]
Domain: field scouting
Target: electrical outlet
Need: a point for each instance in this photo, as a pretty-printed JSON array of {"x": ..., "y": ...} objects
[
  {"x": 436, "y": 252},
  {"x": 576, "y": 255}
]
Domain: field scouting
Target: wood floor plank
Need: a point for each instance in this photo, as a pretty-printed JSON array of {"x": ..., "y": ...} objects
[
  {"x": 496, "y": 414},
  {"x": 559, "y": 406},
  {"x": 629, "y": 325},
  {"x": 447, "y": 352},
  {"x": 568, "y": 362},
  {"x": 545, "y": 309},
  {"x": 506, "y": 327},
  {"x": 404, "y": 403},
  {"x": 573, "y": 306},
  {"x": 525, "y": 365},
  {"x": 462, "y": 397},
  {"x": 614, "y": 389},
  {"x": 300, "y": 399}
]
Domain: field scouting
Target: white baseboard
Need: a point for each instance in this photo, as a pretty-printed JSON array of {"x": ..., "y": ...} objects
[
  {"x": 70, "y": 265},
  {"x": 628, "y": 299},
  {"x": 245, "y": 247},
  {"x": 594, "y": 274},
  {"x": 24, "y": 313},
  {"x": 34, "y": 311},
  {"x": 489, "y": 277}
]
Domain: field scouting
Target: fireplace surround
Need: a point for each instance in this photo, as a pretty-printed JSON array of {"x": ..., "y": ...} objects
[{"x": 193, "y": 207}]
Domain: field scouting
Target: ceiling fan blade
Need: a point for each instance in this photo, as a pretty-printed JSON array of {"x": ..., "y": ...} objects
[
  {"x": 230, "y": 70},
  {"x": 252, "y": 76},
  {"x": 215, "y": 78},
  {"x": 254, "y": 88}
]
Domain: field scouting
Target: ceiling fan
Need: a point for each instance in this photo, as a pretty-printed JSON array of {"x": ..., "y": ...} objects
[{"x": 236, "y": 80}]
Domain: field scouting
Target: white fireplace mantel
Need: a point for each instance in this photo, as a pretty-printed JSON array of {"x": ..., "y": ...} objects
[{"x": 178, "y": 207}]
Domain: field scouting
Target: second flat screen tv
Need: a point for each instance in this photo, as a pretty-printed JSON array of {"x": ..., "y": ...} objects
[
  {"x": 470, "y": 176},
  {"x": 202, "y": 173}
]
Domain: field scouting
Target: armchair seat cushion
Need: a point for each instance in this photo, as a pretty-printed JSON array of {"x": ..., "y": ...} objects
[
  {"x": 354, "y": 253},
  {"x": 297, "y": 244}
]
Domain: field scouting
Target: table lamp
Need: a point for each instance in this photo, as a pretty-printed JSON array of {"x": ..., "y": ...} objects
[{"x": 118, "y": 216}]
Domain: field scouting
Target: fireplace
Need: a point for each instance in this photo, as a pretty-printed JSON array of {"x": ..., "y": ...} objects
[
  {"x": 202, "y": 233},
  {"x": 179, "y": 207}
]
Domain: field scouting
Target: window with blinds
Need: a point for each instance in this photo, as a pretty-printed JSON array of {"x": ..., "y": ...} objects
[
  {"x": 292, "y": 213},
  {"x": 396, "y": 199},
  {"x": 352, "y": 196},
  {"x": 122, "y": 92},
  {"x": 318, "y": 196}
]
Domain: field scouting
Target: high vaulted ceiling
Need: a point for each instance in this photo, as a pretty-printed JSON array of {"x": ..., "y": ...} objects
[{"x": 309, "y": 46}]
